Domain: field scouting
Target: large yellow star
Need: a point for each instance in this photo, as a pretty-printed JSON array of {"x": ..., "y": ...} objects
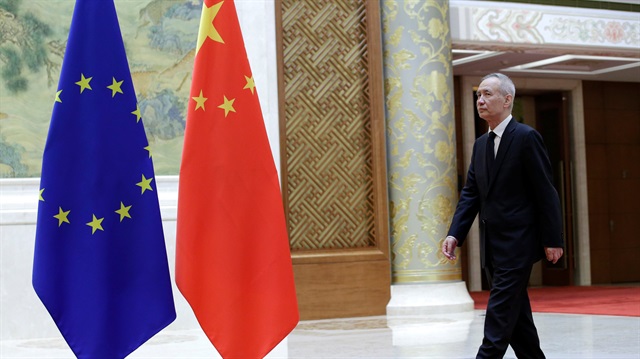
[
  {"x": 227, "y": 106},
  {"x": 200, "y": 100},
  {"x": 137, "y": 113},
  {"x": 123, "y": 211},
  {"x": 41, "y": 198},
  {"x": 62, "y": 216},
  {"x": 95, "y": 224},
  {"x": 148, "y": 148},
  {"x": 58, "y": 96},
  {"x": 145, "y": 184},
  {"x": 115, "y": 87},
  {"x": 207, "y": 30},
  {"x": 250, "y": 84},
  {"x": 84, "y": 83}
]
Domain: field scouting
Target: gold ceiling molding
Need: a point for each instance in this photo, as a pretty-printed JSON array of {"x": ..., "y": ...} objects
[{"x": 529, "y": 24}]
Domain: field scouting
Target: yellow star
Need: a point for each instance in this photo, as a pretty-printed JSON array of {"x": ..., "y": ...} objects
[
  {"x": 123, "y": 211},
  {"x": 145, "y": 184},
  {"x": 227, "y": 106},
  {"x": 200, "y": 100},
  {"x": 62, "y": 216},
  {"x": 84, "y": 83},
  {"x": 115, "y": 87},
  {"x": 95, "y": 224},
  {"x": 148, "y": 148},
  {"x": 137, "y": 113},
  {"x": 250, "y": 84},
  {"x": 207, "y": 30},
  {"x": 58, "y": 96},
  {"x": 41, "y": 198}
]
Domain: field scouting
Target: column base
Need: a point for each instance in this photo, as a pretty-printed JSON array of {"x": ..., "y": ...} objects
[
  {"x": 428, "y": 299},
  {"x": 432, "y": 330}
]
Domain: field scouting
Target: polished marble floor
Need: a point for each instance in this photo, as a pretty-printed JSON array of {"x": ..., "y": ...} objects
[{"x": 454, "y": 336}]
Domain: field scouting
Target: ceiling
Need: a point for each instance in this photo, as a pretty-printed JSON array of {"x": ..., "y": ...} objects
[
  {"x": 547, "y": 64},
  {"x": 474, "y": 57}
]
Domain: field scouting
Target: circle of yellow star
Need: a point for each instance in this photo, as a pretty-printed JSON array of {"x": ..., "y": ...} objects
[
  {"x": 137, "y": 113},
  {"x": 148, "y": 148},
  {"x": 227, "y": 106},
  {"x": 84, "y": 83},
  {"x": 115, "y": 87},
  {"x": 145, "y": 184},
  {"x": 207, "y": 30},
  {"x": 95, "y": 224},
  {"x": 200, "y": 100},
  {"x": 123, "y": 211},
  {"x": 62, "y": 216}
]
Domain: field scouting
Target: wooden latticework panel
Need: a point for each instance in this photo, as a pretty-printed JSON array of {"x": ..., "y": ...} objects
[{"x": 327, "y": 160}]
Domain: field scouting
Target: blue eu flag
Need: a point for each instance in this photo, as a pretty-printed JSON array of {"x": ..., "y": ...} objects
[{"x": 100, "y": 265}]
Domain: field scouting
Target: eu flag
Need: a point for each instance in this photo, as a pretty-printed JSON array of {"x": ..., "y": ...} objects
[{"x": 100, "y": 264}]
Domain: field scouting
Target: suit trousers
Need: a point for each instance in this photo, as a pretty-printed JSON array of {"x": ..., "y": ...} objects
[{"x": 508, "y": 319}]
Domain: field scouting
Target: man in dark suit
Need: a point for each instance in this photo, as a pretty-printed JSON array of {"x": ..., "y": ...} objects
[{"x": 509, "y": 183}]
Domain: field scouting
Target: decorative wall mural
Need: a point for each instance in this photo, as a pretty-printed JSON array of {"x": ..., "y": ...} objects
[{"x": 160, "y": 38}]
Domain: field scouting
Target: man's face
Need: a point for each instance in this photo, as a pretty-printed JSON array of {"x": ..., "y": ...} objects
[{"x": 491, "y": 104}]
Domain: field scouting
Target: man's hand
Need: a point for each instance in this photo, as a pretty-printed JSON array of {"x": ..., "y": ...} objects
[
  {"x": 449, "y": 247},
  {"x": 553, "y": 254}
]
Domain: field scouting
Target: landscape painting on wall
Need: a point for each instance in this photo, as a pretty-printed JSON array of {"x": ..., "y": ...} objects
[{"x": 160, "y": 38}]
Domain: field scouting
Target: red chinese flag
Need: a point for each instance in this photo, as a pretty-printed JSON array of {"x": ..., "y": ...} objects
[{"x": 233, "y": 263}]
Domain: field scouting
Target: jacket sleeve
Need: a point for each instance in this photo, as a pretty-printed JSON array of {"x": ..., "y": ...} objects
[
  {"x": 468, "y": 205},
  {"x": 548, "y": 212}
]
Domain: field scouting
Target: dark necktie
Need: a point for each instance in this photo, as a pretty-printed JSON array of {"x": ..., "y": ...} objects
[{"x": 490, "y": 152}]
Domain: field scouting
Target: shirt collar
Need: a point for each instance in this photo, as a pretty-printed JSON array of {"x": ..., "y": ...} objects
[{"x": 499, "y": 130}]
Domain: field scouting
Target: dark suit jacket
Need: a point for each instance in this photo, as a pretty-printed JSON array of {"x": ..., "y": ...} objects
[{"x": 519, "y": 209}]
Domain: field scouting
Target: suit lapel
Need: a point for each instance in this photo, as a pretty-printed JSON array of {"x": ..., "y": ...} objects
[{"x": 505, "y": 143}]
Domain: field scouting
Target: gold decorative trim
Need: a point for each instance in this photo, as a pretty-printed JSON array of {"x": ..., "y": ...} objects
[{"x": 421, "y": 276}]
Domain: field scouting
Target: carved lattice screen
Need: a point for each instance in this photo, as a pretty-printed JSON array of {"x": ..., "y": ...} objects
[
  {"x": 333, "y": 155},
  {"x": 327, "y": 125}
]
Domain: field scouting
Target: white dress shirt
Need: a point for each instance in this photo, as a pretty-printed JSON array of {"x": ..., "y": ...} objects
[{"x": 499, "y": 130}]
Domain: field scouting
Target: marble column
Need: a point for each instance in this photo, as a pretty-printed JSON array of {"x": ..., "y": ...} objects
[{"x": 421, "y": 157}]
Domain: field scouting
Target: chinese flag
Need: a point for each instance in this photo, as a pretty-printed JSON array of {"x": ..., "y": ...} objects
[{"x": 233, "y": 263}]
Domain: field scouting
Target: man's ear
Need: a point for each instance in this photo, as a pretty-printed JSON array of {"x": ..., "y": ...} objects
[{"x": 508, "y": 100}]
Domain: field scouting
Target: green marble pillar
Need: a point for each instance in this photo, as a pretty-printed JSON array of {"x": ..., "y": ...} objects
[{"x": 420, "y": 137}]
